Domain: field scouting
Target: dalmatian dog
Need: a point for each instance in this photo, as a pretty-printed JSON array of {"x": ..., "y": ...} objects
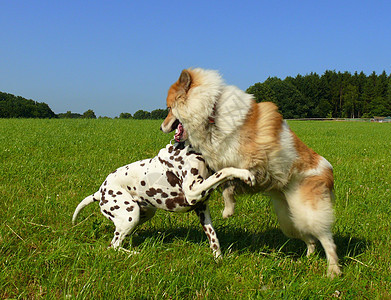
[{"x": 176, "y": 180}]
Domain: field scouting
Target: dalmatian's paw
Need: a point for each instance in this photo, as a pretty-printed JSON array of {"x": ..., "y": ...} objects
[
  {"x": 218, "y": 257},
  {"x": 130, "y": 252}
]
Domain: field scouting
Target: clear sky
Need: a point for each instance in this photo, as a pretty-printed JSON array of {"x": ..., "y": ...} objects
[{"x": 121, "y": 56}]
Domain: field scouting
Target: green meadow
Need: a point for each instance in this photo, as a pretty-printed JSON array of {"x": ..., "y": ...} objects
[{"x": 48, "y": 166}]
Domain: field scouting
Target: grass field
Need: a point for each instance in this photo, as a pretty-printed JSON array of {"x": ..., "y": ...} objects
[{"x": 48, "y": 166}]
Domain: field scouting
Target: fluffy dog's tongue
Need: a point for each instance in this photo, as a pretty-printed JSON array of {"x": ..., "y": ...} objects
[{"x": 179, "y": 133}]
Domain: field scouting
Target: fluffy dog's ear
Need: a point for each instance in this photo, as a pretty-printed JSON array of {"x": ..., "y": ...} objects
[{"x": 185, "y": 80}]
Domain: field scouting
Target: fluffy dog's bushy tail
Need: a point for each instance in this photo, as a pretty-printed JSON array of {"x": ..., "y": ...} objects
[{"x": 82, "y": 204}]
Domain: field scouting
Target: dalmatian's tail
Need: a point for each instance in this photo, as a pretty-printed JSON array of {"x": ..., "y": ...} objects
[{"x": 82, "y": 204}]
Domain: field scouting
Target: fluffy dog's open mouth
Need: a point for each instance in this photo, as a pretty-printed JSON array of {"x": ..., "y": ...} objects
[{"x": 180, "y": 134}]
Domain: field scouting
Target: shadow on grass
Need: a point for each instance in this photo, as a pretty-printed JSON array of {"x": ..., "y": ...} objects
[
  {"x": 269, "y": 241},
  {"x": 238, "y": 239}
]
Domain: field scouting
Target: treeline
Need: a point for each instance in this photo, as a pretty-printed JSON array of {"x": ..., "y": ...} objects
[
  {"x": 331, "y": 95},
  {"x": 18, "y": 107},
  {"x": 156, "y": 114},
  {"x": 337, "y": 95},
  {"x": 12, "y": 106},
  {"x": 89, "y": 114}
]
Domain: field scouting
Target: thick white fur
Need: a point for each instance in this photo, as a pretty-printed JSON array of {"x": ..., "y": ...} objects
[
  {"x": 220, "y": 147},
  {"x": 220, "y": 144},
  {"x": 281, "y": 162}
]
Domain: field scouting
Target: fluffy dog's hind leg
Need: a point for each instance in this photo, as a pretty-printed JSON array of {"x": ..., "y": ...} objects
[
  {"x": 310, "y": 242},
  {"x": 311, "y": 213},
  {"x": 286, "y": 223},
  {"x": 283, "y": 213},
  {"x": 331, "y": 254}
]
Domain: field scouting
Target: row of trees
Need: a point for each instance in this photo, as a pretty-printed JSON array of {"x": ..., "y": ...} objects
[
  {"x": 156, "y": 114},
  {"x": 12, "y": 106},
  {"x": 333, "y": 94},
  {"x": 18, "y": 107},
  {"x": 89, "y": 114}
]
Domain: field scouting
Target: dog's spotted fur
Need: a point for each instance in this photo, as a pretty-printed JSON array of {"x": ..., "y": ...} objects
[{"x": 175, "y": 180}]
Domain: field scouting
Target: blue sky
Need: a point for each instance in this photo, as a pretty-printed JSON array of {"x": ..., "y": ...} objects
[{"x": 121, "y": 56}]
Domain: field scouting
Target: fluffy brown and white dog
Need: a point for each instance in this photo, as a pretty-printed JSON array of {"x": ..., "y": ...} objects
[{"x": 230, "y": 129}]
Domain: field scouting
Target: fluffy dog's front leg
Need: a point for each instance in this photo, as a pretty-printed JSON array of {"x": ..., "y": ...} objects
[{"x": 229, "y": 201}]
